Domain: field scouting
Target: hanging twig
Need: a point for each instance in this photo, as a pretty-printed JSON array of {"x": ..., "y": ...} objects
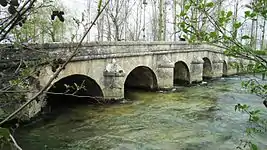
[{"x": 15, "y": 143}]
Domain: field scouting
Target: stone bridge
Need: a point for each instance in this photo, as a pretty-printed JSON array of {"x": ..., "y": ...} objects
[{"x": 105, "y": 69}]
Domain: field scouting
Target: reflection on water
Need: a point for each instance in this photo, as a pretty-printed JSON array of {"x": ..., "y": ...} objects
[{"x": 192, "y": 118}]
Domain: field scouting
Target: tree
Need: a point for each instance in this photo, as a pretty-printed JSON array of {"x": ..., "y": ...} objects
[
  {"x": 226, "y": 38},
  {"x": 117, "y": 14},
  {"x": 174, "y": 19},
  {"x": 15, "y": 14},
  {"x": 50, "y": 31},
  {"x": 162, "y": 20},
  {"x": 263, "y": 35}
]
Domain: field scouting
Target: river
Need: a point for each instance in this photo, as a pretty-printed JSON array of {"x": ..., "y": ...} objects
[{"x": 190, "y": 118}]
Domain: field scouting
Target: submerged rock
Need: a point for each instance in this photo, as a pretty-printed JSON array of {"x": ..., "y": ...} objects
[
  {"x": 126, "y": 101},
  {"x": 204, "y": 83},
  {"x": 213, "y": 108}
]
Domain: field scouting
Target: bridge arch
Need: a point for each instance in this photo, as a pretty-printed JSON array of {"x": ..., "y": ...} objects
[
  {"x": 141, "y": 77},
  {"x": 225, "y": 68},
  {"x": 181, "y": 74},
  {"x": 74, "y": 89},
  {"x": 207, "y": 68}
]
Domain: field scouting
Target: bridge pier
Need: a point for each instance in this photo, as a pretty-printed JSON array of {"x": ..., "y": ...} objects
[
  {"x": 114, "y": 86},
  {"x": 165, "y": 76},
  {"x": 217, "y": 70},
  {"x": 232, "y": 67},
  {"x": 196, "y": 68},
  {"x": 113, "y": 81}
]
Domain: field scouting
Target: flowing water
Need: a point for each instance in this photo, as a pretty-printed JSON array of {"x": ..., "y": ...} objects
[{"x": 191, "y": 118}]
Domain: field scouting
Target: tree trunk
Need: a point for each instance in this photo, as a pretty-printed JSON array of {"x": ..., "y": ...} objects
[
  {"x": 100, "y": 28},
  {"x": 235, "y": 19},
  {"x": 263, "y": 35},
  {"x": 89, "y": 18},
  {"x": 256, "y": 32},
  {"x": 161, "y": 26},
  {"x": 117, "y": 34},
  {"x": 252, "y": 34},
  {"x": 144, "y": 22},
  {"x": 219, "y": 9},
  {"x": 174, "y": 19},
  {"x": 194, "y": 20},
  {"x": 108, "y": 29},
  {"x": 125, "y": 19},
  {"x": 164, "y": 20},
  {"x": 155, "y": 21},
  {"x": 115, "y": 21}
]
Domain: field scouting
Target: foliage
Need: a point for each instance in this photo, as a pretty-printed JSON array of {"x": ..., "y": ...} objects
[
  {"x": 4, "y": 138},
  {"x": 17, "y": 12},
  {"x": 256, "y": 124},
  {"x": 220, "y": 35},
  {"x": 261, "y": 52},
  {"x": 17, "y": 79},
  {"x": 52, "y": 29},
  {"x": 23, "y": 22}
]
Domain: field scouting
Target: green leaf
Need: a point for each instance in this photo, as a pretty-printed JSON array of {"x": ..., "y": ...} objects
[
  {"x": 229, "y": 14},
  {"x": 99, "y": 5},
  {"x": 213, "y": 34},
  {"x": 182, "y": 25},
  {"x": 210, "y": 4},
  {"x": 4, "y": 133},
  {"x": 183, "y": 13},
  {"x": 247, "y": 14},
  {"x": 237, "y": 25},
  {"x": 245, "y": 37},
  {"x": 255, "y": 118},
  {"x": 248, "y": 131},
  {"x": 186, "y": 7},
  {"x": 253, "y": 146},
  {"x": 257, "y": 111},
  {"x": 222, "y": 13},
  {"x": 253, "y": 14},
  {"x": 221, "y": 21}
]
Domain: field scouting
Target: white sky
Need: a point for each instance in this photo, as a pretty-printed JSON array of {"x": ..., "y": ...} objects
[{"x": 76, "y": 8}]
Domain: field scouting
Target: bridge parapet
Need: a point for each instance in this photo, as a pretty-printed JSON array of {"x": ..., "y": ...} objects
[{"x": 98, "y": 49}]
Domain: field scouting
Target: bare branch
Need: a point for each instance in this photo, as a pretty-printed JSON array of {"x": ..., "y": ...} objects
[
  {"x": 15, "y": 143},
  {"x": 45, "y": 88}
]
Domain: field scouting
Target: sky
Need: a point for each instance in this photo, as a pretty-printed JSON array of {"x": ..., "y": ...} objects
[{"x": 77, "y": 7}]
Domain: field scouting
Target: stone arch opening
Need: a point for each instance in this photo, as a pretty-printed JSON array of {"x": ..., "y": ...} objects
[
  {"x": 141, "y": 77},
  {"x": 181, "y": 74},
  {"x": 73, "y": 90},
  {"x": 207, "y": 69},
  {"x": 225, "y": 69}
]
